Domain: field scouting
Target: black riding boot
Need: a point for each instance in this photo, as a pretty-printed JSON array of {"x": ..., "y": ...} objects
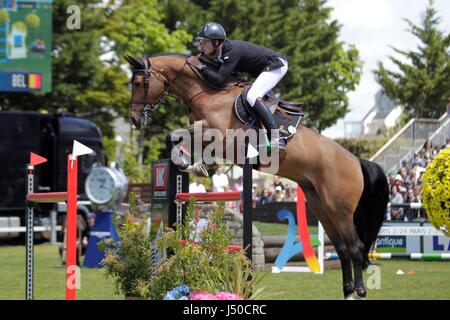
[{"x": 263, "y": 112}]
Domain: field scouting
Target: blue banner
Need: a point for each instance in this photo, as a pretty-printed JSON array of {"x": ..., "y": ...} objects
[{"x": 103, "y": 229}]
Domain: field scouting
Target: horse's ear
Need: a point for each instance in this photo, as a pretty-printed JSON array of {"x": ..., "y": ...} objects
[
  {"x": 136, "y": 63},
  {"x": 129, "y": 59}
]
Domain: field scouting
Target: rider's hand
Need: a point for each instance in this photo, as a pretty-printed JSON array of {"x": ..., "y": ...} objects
[{"x": 194, "y": 61}]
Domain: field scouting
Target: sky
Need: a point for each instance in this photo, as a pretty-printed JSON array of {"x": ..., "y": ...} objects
[{"x": 373, "y": 26}]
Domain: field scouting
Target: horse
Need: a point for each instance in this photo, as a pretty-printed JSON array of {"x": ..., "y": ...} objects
[{"x": 348, "y": 195}]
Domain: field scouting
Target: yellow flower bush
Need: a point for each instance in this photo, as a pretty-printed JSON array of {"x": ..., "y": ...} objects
[{"x": 436, "y": 191}]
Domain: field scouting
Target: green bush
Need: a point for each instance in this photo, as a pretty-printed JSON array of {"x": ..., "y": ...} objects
[
  {"x": 363, "y": 148},
  {"x": 131, "y": 261},
  {"x": 208, "y": 267},
  {"x": 436, "y": 191}
]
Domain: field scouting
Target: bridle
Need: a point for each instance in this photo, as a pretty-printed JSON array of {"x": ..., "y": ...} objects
[{"x": 147, "y": 71}]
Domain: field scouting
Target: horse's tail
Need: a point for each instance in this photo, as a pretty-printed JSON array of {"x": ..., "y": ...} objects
[{"x": 372, "y": 206}]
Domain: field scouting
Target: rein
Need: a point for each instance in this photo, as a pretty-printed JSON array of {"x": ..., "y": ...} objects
[
  {"x": 148, "y": 70},
  {"x": 158, "y": 73}
]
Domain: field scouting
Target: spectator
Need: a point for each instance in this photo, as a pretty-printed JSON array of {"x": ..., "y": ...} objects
[
  {"x": 447, "y": 144},
  {"x": 406, "y": 179},
  {"x": 197, "y": 186},
  {"x": 238, "y": 185},
  {"x": 389, "y": 180},
  {"x": 428, "y": 151},
  {"x": 396, "y": 198},
  {"x": 265, "y": 198},
  {"x": 277, "y": 182},
  {"x": 405, "y": 164},
  {"x": 255, "y": 196},
  {"x": 418, "y": 161},
  {"x": 291, "y": 195},
  {"x": 413, "y": 176},
  {"x": 220, "y": 181},
  {"x": 418, "y": 171},
  {"x": 279, "y": 194},
  {"x": 411, "y": 214},
  {"x": 418, "y": 198},
  {"x": 199, "y": 224},
  {"x": 437, "y": 149},
  {"x": 85, "y": 235},
  {"x": 85, "y": 230},
  {"x": 399, "y": 183}
]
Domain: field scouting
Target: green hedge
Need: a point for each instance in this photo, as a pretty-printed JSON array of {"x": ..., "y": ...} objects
[{"x": 363, "y": 148}]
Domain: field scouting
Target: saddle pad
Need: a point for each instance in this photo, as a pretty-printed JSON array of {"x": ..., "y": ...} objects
[{"x": 287, "y": 126}]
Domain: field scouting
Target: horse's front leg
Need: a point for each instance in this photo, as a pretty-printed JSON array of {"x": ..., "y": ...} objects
[{"x": 181, "y": 143}]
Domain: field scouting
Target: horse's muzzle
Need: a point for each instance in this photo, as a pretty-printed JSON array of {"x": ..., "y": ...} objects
[
  {"x": 141, "y": 121},
  {"x": 134, "y": 122}
]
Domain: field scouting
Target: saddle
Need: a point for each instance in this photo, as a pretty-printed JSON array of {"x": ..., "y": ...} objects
[{"x": 287, "y": 114}]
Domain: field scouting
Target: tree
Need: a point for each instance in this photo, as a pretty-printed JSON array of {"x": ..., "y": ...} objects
[
  {"x": 82, "y": 83},
  {"x": 321, "y": 70},
  {"x": 136, "y": 27},
  {"x": 422, "y": 84}
]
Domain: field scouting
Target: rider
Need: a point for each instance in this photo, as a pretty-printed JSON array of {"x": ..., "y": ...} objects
[{"x": 266, "y": 65}]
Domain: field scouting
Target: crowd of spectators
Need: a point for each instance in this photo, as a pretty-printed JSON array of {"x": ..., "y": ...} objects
[
  {"x": 276, "y": 192},
  {"x": 406, "y": 185}
]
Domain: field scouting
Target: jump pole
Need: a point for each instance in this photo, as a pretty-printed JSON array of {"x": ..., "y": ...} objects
[
  {"x": 71, "y": 260},
  {"x": 71, "y": 197},
  {"x": 245, "y": 196}
]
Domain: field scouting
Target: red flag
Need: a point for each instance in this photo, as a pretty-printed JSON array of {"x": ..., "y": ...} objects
[{"x": 36, "y": 159}]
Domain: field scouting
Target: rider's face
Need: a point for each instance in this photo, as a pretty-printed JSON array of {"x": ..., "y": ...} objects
[{"x": 207, "y": 46}]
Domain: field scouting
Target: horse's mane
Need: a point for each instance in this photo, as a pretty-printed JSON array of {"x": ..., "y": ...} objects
[
  {"x": 181, "y": 55},
  {"x": 232, "y": 83}
]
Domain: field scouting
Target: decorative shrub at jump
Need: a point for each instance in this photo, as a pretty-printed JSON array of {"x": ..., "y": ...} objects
[
  {"x": 207, "y": 270},
  {"x": 436, "y": 191}
]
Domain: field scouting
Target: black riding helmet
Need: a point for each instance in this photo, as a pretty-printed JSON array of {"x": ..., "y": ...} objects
[{"x": 213, "y": 31}]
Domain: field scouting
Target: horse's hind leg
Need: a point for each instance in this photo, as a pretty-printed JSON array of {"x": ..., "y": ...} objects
[
  {"x": 341, "y": 230},
  {"x": 337, "y": 235},
  {"x": 358, "y": 262}
]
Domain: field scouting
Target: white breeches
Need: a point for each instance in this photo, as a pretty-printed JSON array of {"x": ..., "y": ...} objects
[{"x": 265, "y": 82}]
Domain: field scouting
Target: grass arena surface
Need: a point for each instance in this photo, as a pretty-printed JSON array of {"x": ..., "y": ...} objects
[{"x": 431, "y": 280}]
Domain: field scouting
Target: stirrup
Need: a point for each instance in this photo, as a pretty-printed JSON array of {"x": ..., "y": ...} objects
[
  {"x": 198, "y": 169},
  {"x": 276, "y": 143}
]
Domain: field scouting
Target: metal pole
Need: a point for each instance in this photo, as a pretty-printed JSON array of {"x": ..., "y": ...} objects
[
  {"x": 53, "y": 226},
  {"x": 29, "y": 236},
  {"x": 321, "y": 248}
]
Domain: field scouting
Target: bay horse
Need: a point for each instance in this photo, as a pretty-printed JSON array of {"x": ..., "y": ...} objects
[{"x": 348, "y": 195}]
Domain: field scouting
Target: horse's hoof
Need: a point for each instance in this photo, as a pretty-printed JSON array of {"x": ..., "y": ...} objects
[
  {"x": 357, "y": 297},
  {"x": 197, "y": 169},
  {"x": 360, "y": 294}
]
